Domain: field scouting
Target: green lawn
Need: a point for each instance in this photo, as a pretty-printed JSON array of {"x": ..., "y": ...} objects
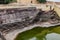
[{"x": 37, "y": 33}]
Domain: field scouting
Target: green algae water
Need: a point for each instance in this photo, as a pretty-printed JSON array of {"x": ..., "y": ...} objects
[{"x": 40, "y": 33}]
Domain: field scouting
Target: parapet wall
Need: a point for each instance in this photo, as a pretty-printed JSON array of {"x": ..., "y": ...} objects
[{"x": 45, "y": 7}]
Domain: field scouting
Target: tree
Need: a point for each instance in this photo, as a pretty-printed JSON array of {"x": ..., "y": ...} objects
[
  {"x": 41, "y": 1},
  {"x": 5, "y": 1}
]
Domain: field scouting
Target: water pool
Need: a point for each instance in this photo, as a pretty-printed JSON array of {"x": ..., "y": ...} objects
[{"x": 40, "y": 33}]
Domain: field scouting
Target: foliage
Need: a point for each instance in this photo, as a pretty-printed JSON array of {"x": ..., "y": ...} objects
[
  {"x": 41, "y": 1},
  {"x": 38, "y": 33},
  {"x": 5, "y": 1}
]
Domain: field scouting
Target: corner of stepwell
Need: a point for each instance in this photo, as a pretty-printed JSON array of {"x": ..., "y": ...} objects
[{"x": 16, "y": 16}]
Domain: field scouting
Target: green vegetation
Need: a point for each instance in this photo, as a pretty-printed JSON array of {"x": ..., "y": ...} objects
[
  {"x": 41, "y": 1},
  {"x": 6, "y": 1},
  {"x": 39, "y": 33}
]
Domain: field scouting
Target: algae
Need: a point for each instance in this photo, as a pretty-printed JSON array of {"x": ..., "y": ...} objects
[{"x": 38, "y": 33}]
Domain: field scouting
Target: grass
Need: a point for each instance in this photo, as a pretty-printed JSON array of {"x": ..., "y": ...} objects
[{"x": 39, "y": 33}]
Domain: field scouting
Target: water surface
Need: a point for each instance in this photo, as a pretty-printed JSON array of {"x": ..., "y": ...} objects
[{"x": 40, "y": 33}]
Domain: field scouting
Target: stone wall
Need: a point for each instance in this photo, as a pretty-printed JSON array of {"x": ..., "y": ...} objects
[
  {"x": 57, "y": 9},
  {"x": 16, "y": 14},
  {"x": 27, "y": 1}
]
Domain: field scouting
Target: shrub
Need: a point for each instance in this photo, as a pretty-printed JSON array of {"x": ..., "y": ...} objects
[
  {"x": 5, "y": 1},
  {"x": 41, "y": 1}
]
